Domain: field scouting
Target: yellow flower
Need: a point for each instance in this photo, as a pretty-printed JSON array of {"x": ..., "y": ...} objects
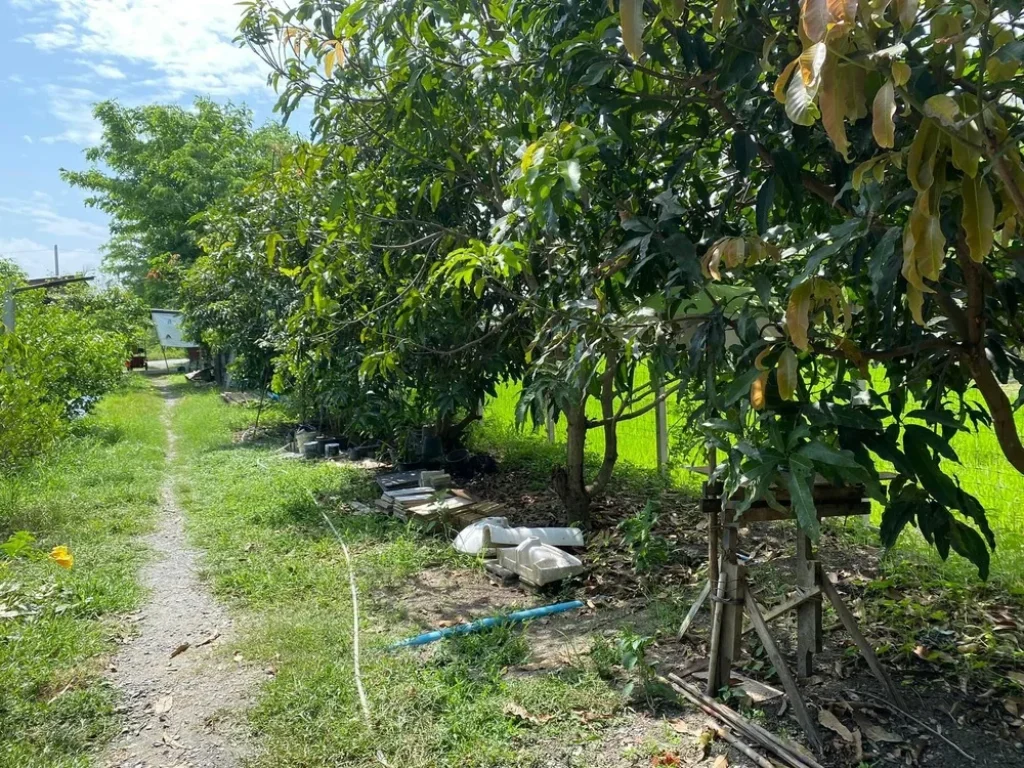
[{"x": 62, "y": 557}]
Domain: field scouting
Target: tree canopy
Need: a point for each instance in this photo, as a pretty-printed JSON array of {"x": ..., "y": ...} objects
[{"x": 156, "y": 169}]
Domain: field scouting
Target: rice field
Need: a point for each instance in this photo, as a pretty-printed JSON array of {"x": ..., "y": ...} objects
[{"x": 984, "y": 473}]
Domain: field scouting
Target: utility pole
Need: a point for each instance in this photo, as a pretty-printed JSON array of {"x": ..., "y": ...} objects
[{"x": 56, "y": 262}]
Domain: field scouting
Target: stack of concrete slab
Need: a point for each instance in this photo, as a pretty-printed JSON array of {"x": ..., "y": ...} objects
[{"x": 425, "y": 497}]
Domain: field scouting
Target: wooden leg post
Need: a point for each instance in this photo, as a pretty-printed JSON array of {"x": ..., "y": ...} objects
[
  {"x": 788, "y": 683},
  {"x": 808, "y": 615},
  {"x": 730, "y": 626}
]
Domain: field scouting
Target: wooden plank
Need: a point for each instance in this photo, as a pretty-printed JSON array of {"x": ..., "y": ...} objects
[
  {"x": 694, "y": 610},
  {"x": 785, "y": 676},
  {"x": 808, "y": 615},
  {"x": 785, "y": 607},
  {"x": 759, "y": 514},
  {"x": 850, "y": 622}
]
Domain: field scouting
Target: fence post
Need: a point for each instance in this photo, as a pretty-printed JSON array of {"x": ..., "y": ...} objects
[{"x": 661, "y": 428}]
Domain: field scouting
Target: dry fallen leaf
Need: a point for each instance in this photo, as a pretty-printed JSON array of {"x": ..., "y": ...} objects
[
  {"x": 830, "y": 721},
  {"x": 879, "y": 735},
  {"x": 519, "y": 713},
  {"x": 180, "y": 649},
  {"x": 208, "y": 640},
  {"x": 1017, "y": 677},
  {"x": 721, "y": 762},
  {"x": 163, "y": 705}
]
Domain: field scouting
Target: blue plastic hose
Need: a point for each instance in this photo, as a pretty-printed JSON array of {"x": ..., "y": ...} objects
[{"x": 493, "y": 621}]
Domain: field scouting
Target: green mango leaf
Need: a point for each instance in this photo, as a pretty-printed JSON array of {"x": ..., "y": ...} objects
[{"x": 800, "y": 484}]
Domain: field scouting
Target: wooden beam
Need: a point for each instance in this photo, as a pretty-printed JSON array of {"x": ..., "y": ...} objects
[
  {"x": 783, "y": 608},
  {"x": 694, "y": 610},
  {"x": 759, "y": 514},
  {"x": 850, "y": 622},
  {"x": 788, "y": 683}
]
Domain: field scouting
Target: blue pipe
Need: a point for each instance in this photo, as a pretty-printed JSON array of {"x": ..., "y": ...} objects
[{"x": 493, "y": 621}]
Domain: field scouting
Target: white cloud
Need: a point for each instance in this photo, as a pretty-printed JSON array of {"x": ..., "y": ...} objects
[
  {"x": 73, "y": 108},
  {"x": 103, "y": 69},
  {"x": 40, "y": 211},
  {"x": 188, "y": 43},
  {"x": 27, "y": 138}
]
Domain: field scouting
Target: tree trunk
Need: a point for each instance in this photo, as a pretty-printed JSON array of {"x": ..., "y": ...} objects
[
  {"x": 568, "y": 481},
  {"x": 611, "y": 436}
]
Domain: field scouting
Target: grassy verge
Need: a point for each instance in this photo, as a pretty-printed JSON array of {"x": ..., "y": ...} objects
[
  {"x": 56, "y": 626},
  {"x": 269, "y": 553}
]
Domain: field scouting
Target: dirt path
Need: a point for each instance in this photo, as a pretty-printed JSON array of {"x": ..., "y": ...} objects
[{"x": 181, "y": 712}]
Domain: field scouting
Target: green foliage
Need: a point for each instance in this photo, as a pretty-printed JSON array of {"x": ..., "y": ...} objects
[
  {"x": 156, "y": 169},
  {"x": 68, "y": 350},
  {"x": 649, "y": 550}
]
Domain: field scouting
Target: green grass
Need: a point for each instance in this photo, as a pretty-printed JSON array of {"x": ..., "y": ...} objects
[
  {"x": 271, "y": 556},
  {"x": 95, "y": 495}
]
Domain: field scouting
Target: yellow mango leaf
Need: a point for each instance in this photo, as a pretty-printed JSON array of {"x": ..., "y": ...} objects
[
  {"x": 915, "y": 299},
  {"x": 631, "y": 15},
  {"x": 883, "y": 108},
  {"x": 843, "y": 11},
  {"x": 815, "y": 18},
  {"x": 759, "y": 360},
  {"x": 943, "y": 108},
  {"x": 733, "y": 251},
  {"x": 854, "y": 80},
  {"x": 875, "y": 166},
  {"x": 798, "y": 313},
  {"x": 329, "y": 63},
  {"x": 712, "y": 260},
  {"x": 965, "y": 157},
  {"x": 854, "y": 355},
  {"x": 900, "y": 73},
  {"x": 812, "y": 61},
  {"x": 921, "y": 157},
  {"x": 787, "y": 374},
  {"x": 907, "y": 12},
  {"x": 924, "y": 246},
  {"x": 802, "y": 90},
  {"x": 725, "y": 12},
  {"x": 832, "y": 102},
  {"x": 339, "y": 54},
  {"x": 979, "y": 216},
  {"x": 780, "y": 84},
  {"x": 757, "y": 391}
]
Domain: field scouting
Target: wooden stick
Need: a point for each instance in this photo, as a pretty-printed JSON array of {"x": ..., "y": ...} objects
[
  {"x": 930, "y": 729},
  {"x": 789, "y": 754},
  {"x": 716, "y": 635},
  {"x": 797, "y": 600},
  {"x": 694, "y": 610},
  {"x": 850, "y": 622},
  {"x": 788, "y": 683},
  {"x": 726, "y": 735}
]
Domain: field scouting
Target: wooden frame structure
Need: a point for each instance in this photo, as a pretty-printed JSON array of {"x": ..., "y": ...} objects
[{"x": 731, "y": 599}]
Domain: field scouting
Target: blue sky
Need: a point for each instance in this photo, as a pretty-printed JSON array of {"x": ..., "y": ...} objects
[{"x": 60, "y": 57}]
